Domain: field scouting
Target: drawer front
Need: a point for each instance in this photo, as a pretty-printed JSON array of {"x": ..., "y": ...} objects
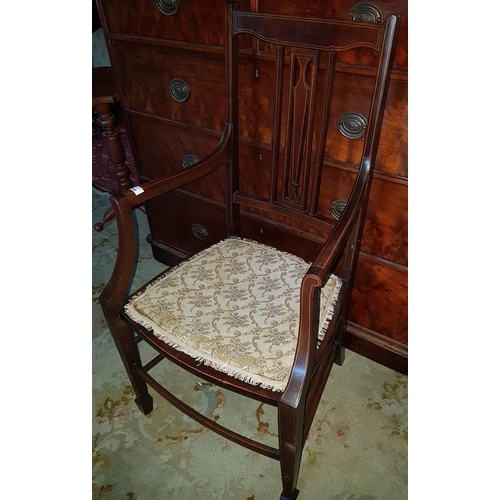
[
  {"x": 386, "y": 226},
  {"x": 184, "y": 222},
  {"x": 194, "y": 21},
  {"x": 175, "y": 147},
  {"x": 147, "y": 73},
  {"x": 380, "y": 299},
  {"x": 392, "y": 155}
]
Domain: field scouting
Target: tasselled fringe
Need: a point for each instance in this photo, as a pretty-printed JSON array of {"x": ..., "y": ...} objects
[{"x": 331, "y": 310}]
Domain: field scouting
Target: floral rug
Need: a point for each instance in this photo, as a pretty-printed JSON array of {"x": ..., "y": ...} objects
[{"x": 357, "y": 448}]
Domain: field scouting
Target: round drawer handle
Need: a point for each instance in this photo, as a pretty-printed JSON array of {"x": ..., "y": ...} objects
[
  {"x": 189, "y": 160},
  {"x": 179, "y": 89},
  {"x": 199, "y": 231},
  {"x": 168, "y": 7},
  {"x": 367, "y": 12},
  {"x": 337, "y": 207},
  {"x": 352, "y": 125}
]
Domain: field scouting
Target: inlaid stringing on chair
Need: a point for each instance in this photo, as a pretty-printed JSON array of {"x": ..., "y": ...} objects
[{"x": 241, "y": 314}]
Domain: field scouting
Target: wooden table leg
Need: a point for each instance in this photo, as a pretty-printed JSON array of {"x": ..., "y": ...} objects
[{"x": 116, "y": 154}]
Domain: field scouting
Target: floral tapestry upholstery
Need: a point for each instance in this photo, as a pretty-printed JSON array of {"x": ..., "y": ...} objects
[{"x": 234, "y": 307}]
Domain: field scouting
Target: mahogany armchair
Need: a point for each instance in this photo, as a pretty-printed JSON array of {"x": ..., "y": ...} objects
[{"x": 243, "y": 314}]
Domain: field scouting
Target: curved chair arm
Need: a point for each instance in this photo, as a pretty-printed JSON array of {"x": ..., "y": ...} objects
[
  {"x": 334, "y": 245},
  {"x": 114, "y": 294},
  {"x": 313, "y": 281},
  {"x": 152, "y": 189},
  {"x": 295, "y": 392}
]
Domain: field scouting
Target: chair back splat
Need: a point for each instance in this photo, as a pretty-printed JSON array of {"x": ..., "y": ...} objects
[{"x": 244, "y": 314}]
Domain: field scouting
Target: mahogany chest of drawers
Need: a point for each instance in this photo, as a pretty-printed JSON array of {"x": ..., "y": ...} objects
[{"x": 169, "y": 64}]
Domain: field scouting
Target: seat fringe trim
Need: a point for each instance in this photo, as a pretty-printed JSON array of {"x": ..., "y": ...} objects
[{"x": 248, "y": 378}]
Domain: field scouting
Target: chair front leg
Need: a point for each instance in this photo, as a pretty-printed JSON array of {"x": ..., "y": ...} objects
[
  {"x": 129, "y": 353},
  {"x": 290, "y": 425}
]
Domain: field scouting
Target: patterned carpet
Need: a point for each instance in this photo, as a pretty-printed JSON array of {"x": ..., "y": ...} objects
[{"x": 356, "y": 450}]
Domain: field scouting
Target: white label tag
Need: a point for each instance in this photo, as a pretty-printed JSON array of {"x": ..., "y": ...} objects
[{"x": 137, "y": 190}]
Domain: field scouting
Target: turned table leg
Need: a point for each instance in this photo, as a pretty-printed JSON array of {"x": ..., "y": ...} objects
[{"x": 116, "y": 154}]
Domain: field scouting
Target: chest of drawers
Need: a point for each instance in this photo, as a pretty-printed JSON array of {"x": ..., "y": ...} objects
[{"x": 169, "y": 63}]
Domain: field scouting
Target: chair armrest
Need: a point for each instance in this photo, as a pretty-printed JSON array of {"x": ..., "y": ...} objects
[
  {"x": 294, "y": 394},
  {"x": 147, "y": 191},
  {"x": 115, "y": 292},
  {"x": 334, "y": 245},
  {"x": 313, "y": 281}
]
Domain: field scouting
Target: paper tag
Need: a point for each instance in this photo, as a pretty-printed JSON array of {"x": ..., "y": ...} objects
[{"x": 137, "y": 190}]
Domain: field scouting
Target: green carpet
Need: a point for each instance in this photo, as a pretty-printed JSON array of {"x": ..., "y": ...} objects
[{"x": 357, "y": 448}]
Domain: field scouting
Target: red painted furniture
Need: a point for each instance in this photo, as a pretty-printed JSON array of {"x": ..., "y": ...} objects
[{"x": 104, "y": 94}]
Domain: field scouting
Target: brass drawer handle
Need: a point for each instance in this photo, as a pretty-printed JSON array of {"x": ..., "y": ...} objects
[
  {"x": 179, "y": 89},
  {"x": 367, "y": 12},
  {"x": 337, "y": 207},
  {"x": 189, "y": 160},
  {"x": 352, "y": 125},
  {"x": 168, "y": 7},
  {"x": 199, "y": 231}
]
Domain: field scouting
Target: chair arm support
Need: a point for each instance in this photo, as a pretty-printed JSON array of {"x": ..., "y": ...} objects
[
  {"x": 114, "y": 294},
  {"x": 295, "y": 391}
]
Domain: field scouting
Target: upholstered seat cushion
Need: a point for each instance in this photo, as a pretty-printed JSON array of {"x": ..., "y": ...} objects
[{"x": 235, "y": 307}]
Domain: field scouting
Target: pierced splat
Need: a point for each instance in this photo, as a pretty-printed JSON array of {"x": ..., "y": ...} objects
[{"x": 299, "y": 127}]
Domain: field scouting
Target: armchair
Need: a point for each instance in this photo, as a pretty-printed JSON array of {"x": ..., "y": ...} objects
[{"x": 243, "y": 314}]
